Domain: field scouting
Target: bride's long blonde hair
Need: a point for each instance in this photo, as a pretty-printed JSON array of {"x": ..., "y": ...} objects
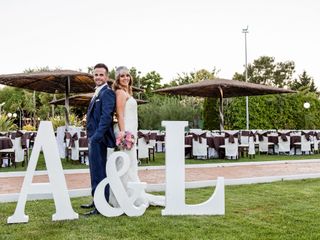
[{"x": 116, "y": 84}]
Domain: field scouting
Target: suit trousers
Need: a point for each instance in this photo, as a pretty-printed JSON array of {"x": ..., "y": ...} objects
[{"x": 97, "y": 164}]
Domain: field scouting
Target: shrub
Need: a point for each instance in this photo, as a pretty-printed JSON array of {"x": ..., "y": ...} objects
[
  {"x": 29, "y": 127},
  {"x": 58, "y": 121},
  {"x": 6, "y": 124}
]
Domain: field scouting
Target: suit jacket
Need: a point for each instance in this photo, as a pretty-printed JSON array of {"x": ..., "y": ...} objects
[{"x": 100, "y": 118}]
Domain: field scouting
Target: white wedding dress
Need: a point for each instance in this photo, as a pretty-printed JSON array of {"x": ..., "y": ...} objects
[{"x": 131, "y": 125}]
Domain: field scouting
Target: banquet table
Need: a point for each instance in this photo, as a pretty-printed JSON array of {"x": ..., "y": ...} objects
[
  {"x": 294, "y": 139},
  {"x": 273, "y": 139},
  {"x": 215, "y": 142},
  {"x": 6, "y": 143}
]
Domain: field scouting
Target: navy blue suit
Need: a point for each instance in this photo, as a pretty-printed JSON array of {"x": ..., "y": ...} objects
[{"x": 100, "y": 135}]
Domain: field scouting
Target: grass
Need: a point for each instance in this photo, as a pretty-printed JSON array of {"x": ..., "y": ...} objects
[
  {"x": 281, "y": 210},
  {"x": 41, "y": 165},
  {"x": 160, "y": 161}
]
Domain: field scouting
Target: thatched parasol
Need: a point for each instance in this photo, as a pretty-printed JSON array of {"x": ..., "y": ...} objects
[
  {"x": 57, "y": 81},
  {"x": 83, "y": 100},
  {"x": 222, "y": 88}
]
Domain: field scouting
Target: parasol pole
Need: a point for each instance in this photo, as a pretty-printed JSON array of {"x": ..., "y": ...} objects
[
  {"x": 67, "y": 101},
  {"x": 221, "y": 109},
  {"x": 52, "y": 105}
]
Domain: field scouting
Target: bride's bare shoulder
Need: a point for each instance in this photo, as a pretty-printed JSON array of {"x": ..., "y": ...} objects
[{"x": 121, "y": 93}]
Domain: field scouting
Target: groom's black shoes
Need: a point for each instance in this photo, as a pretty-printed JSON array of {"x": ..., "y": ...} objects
[
  {"x": 92, "y": 212},
  {"x": 86, "y": 206}
]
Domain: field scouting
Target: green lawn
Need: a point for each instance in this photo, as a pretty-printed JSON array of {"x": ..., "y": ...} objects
[
  {"x": 281, "y": 210},
  {"x": 41, "y": 165},
  {"x": 160, "y": 160}
]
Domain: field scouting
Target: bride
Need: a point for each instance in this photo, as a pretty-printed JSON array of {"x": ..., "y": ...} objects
[{"x": 127, "y": 115}]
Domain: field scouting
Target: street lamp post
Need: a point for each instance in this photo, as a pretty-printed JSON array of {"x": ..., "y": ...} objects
[
  {"x": 245, "y": 31},
  {"x": 306, "y": 105}
]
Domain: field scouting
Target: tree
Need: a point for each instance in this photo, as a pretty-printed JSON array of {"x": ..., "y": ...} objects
[
  {"x": 187, "y": 78},
  {"x": 17, "y": 100},
  {"x": 265, "y": 71},
  {"x": 150, "y": 82},
  {"x": 169, "y": 108},
  {"x": 279, "y": 111},
  {"x": 28, "y": 103},
  {"x": 182, "y": 79},
  {"x": 210, "y": 113},
  {"x": 304, "y": 81}
]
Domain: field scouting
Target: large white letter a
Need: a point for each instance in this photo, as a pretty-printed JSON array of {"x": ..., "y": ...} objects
[{"x": 46, "y": 141}]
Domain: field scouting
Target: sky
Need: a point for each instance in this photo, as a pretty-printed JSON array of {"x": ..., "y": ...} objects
[{"x": 170, "y": 37}]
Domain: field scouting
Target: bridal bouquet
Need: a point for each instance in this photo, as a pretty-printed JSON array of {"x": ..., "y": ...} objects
[{"x": 125, "y": 143}]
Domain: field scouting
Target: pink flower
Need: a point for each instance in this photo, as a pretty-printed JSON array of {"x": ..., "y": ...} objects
[{"x": 125, "y": 142}]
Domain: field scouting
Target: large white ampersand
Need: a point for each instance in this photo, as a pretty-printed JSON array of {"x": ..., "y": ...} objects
[{"x": 126, "y": 202}]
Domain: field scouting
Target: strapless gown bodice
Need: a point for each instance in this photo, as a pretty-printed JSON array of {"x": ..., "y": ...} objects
[
  {"x": 131, "y": 125},
  {"x": 131, "y": 116}
]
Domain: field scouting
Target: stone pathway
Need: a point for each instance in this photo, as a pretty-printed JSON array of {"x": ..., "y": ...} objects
[{"x": 153, "y": 175}]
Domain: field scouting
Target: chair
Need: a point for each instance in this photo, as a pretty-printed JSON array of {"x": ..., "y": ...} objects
[
  {"x": 244, "y": 143},
  {"x": 20, "y": 151},
  {"x": 67, "y": 147},
  {"x": 74, "y": 146},
  {"x": 305, "y": 143},
  {"x": 244, "y": 137},
  {"x": 264, "y": 144},
  {"x": 199, "y": 143},
  {"x": 284, "y": 142},
  {"x": 145, "y": 149},
  {"x": 160, "y": 142},
  {"x": 83, "y": 149},
  {"x": 231, "y": 145},
  {"x": 9, "y": 154},
  {"x": 7, "y": 151},
  {"x": 316, "y": 139},
  {"x": 252, "y": 147},
  {"x": 26, "y": 143},
  {"x": 188, "y": 146},
  {"x": 72, "y": 143},
  {"x": 61, "y": 141},
  {"x": 214, "y": 145},
  {"x": 152, "y": 143},
  {"x": 212, "y": 152}
]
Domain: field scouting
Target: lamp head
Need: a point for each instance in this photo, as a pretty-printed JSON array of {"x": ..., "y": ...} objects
[{"x": 306, "y": 105}]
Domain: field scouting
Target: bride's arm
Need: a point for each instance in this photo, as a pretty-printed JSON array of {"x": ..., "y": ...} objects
[{"x": 121, "y": 99}]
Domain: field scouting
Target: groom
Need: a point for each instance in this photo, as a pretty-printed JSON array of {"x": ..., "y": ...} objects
[{"x": 100, "y": 130}]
